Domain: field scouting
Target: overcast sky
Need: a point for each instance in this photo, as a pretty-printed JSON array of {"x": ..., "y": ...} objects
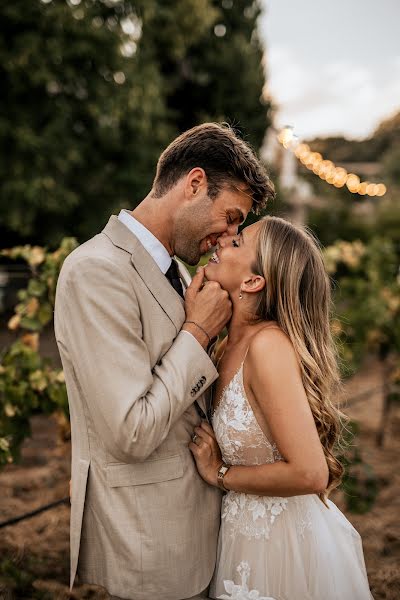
[{"x": 332, "y": 67}]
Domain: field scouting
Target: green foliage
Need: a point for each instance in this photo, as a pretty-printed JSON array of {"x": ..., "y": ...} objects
[
  {"x": 221, "y": 76},
  {"x": 391, "y": 164},
  {"x": 367, "y": 321},
  {"x": 17, "y": 577},
  {"x": 341, "y": 214},
  {"x": 348, "y": 217},
  {"x": 367, "y": 298},
  {"x": 14, "y": 578},
  {"x": 360, "y": 483},
  {"x": 76, "y": 108},
  {"x": 95, "y": 89},
  {"x": 28, "y": 383}
]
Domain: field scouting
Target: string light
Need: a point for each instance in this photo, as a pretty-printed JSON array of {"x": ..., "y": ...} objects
[{"x": 326, "y": 169}]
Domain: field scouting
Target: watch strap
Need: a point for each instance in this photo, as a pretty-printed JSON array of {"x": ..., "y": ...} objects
[{"x": 222, "y": 471}]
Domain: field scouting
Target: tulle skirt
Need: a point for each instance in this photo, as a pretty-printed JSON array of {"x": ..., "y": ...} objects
[{"x": 287, "y": 549}]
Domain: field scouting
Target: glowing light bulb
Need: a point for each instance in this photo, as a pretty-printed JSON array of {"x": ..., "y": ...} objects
[
  {"x": 381, "y": 189},
  {"x": 340, "y": 177},
  {"x": 326, "y": 169},
  {"x": 372, "y": 189},
  {"x": 363, "y": 188},
  {"x": 353, "y": 183},
  {"x": 286, "y": 136},
  {"x": 301, "y": 150}
]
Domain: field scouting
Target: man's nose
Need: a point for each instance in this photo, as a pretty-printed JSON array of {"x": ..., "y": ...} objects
[{"x": 232, "y": 229}]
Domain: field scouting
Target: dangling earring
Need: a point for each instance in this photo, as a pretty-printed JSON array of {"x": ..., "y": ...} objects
[{"x": 240, "y": 295}]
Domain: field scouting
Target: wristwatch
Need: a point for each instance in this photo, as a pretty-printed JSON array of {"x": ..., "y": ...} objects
[{"x": 222, "y": 471}]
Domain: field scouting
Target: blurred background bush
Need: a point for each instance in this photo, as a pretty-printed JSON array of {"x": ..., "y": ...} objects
[{"x": 92, "y": 92}]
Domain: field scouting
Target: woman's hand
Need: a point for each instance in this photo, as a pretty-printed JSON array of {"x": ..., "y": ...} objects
[{"x": 206, "y": 453}]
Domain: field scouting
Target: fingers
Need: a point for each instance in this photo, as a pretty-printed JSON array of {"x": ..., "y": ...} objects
[
  {"x": 215, "y": 287},
  {"x": 194, "y": 449},
  {"x": 208, "y": 429},
  {"x": 203, "y": 435},
  {"x": 196, "y": 282}
]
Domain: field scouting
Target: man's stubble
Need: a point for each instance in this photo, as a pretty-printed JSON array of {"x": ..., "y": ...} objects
[{"x": 191, "y": 227}]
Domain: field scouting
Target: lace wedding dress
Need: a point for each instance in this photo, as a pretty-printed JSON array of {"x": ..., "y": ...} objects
[{"x": 278, "y": 548}]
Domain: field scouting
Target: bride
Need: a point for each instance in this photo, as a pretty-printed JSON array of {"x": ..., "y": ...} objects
[{"x": 276, "y": 426}]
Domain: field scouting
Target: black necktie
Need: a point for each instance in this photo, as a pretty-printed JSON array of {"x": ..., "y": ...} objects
[{"x": 173, "y": 277}]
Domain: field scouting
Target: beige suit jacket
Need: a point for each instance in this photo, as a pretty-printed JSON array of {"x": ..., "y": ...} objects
[{"x": 143, "y": 523}]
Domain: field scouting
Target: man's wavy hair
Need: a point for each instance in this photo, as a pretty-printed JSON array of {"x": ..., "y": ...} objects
[{"x": 226, "y": 159}]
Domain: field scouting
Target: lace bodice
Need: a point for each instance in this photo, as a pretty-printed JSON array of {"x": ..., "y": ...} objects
[
  {"x": 243, "y": 442},
  {"x": 238, "y": 434},
  {"x": 277, "y": 548}
]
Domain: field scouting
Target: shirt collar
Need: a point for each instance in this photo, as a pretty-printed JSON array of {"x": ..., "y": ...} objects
[{"x": 154, "y": 247}]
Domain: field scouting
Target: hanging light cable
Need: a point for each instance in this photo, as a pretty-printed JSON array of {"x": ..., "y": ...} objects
[{"x": 326, "y": 169}]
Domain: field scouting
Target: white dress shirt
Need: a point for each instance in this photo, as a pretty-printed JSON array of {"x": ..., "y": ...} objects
[{"x": 154, "y": 247}]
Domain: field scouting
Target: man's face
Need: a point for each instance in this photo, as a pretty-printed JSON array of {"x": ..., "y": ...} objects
[{"x": 203, "y": 221}]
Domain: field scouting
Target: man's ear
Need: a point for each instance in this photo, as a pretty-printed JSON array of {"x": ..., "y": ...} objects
[
  {"x": 253, "y": 284},
  {"x": 196, "y": 180}
]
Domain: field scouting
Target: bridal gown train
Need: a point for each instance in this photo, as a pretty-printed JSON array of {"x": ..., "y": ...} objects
[{"x": 270, "y": 548}]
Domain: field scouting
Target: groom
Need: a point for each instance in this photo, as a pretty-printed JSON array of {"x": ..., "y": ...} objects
[{"x": 143, "y": 523}]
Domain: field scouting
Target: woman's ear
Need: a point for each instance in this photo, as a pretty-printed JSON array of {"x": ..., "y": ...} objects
[{"x": 253, "y": 284}]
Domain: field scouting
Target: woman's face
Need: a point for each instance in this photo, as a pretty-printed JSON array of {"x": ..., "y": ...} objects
[{"x": 232, "y": 262}]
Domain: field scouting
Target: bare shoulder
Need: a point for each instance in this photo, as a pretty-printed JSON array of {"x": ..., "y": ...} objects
[
  {"x": 271, "y": 352},
  {"x": 268, "y": 339},
  {"x": 274, "y": 371}
]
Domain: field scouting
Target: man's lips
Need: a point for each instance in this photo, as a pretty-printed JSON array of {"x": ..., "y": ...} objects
[{"x": 211, "y": 242}]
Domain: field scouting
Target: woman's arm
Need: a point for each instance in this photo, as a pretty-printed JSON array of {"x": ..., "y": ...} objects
[{"x": 275, "y": 382}]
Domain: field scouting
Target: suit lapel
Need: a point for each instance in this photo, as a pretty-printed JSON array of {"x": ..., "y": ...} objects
[
  {"x": 148, "y": 270},
  {"x": 159, "y": 286}
]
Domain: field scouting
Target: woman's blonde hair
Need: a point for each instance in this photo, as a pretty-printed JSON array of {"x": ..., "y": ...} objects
[{"x": 297, "y": 296}]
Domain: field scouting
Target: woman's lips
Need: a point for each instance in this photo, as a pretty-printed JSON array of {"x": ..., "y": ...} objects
[{"x": 214, "y": 258}]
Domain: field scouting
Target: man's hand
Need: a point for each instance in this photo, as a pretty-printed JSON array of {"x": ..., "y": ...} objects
[{"x": 207, "y": 305}]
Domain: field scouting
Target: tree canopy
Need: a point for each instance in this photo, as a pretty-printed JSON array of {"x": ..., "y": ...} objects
[{"x": 93, "y": 90}]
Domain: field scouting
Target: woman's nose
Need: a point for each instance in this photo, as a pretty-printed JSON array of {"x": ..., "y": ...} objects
[{"x": 223, "y": 239}]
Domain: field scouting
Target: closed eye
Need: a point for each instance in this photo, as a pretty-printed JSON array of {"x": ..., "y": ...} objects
[{"x": 235, "y": 243}]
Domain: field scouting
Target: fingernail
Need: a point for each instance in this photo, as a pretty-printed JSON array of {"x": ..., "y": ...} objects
[{"x": 199, "y": 269}]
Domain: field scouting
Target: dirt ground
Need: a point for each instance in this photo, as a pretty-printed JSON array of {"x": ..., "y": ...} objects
[{"x": 34, "y": 554}]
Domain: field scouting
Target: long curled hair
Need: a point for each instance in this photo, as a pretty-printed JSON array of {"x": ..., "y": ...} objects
[{"x": 297, "y": 296}]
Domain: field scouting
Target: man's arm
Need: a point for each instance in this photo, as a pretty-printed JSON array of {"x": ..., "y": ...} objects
[{"x": 132, "y": 407}]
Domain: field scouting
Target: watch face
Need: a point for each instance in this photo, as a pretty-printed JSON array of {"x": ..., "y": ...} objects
[{"x": 223, "y": 470}]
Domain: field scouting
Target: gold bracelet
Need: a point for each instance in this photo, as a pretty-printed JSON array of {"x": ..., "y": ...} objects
[{"x": 201, "y": 328}]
